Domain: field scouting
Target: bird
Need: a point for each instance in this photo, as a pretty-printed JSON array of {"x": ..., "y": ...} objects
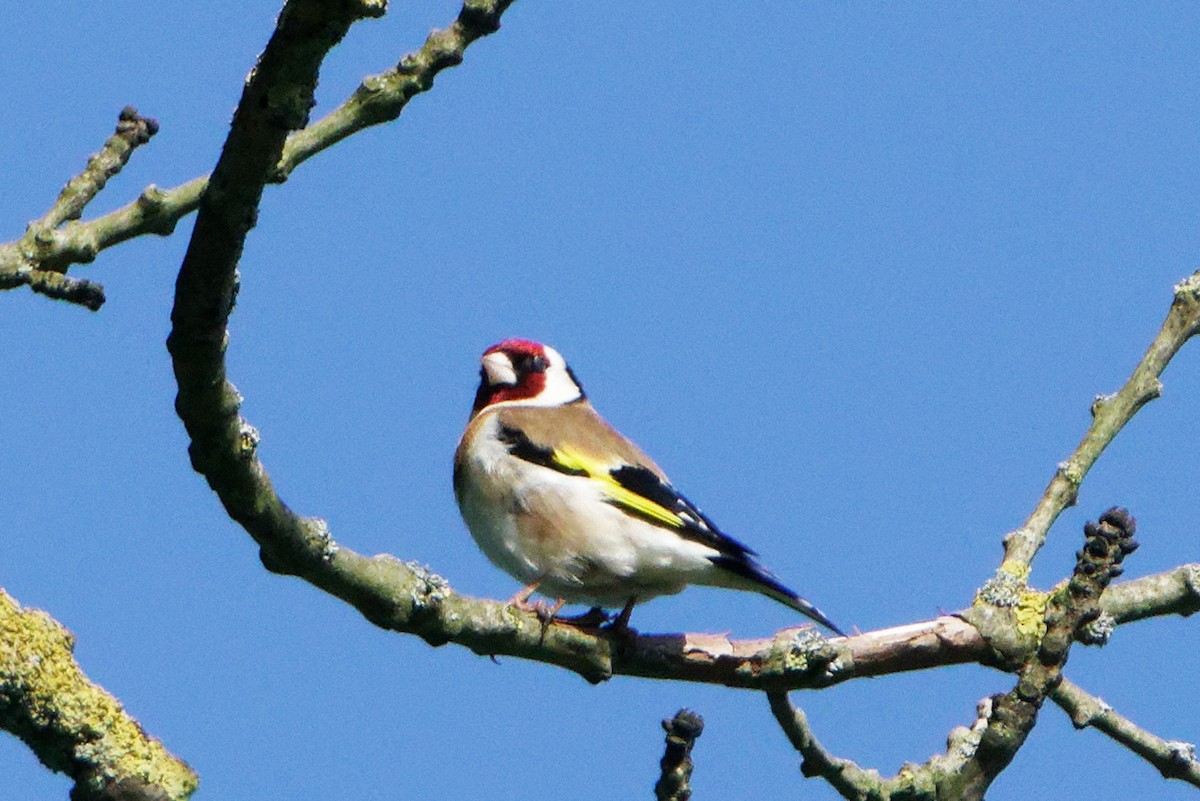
[{"x": 559, "y": 499}]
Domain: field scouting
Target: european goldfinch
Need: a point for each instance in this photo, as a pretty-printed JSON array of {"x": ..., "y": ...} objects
[{"x": 560, "y": 500}]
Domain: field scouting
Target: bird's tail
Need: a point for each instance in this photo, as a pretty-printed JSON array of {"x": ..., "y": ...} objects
[
  {"x": 760, "y": 580},
  {"x": 786, "y": 596}
]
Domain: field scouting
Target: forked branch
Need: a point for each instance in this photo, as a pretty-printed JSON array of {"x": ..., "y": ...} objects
[
  {"x": 976, "y": 756},
  {"x": 33, "y": 259},
  {"x": 378, "y": 99},
  {"x": 1110, "y": 413}
]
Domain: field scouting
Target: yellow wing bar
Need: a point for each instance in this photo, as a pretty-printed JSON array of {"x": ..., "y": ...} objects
[{"x": 574, "y": 461}]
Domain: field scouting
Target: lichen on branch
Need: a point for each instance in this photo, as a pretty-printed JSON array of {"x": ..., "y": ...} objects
[{"x": 72, "y": 725}]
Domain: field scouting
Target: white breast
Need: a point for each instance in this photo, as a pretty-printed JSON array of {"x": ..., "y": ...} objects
[
  {"x": 538, "y": 524},
  {"x": 491, "y": 481}
]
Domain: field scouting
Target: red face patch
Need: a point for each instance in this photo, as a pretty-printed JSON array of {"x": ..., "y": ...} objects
[{"x": 529, "y": 364}]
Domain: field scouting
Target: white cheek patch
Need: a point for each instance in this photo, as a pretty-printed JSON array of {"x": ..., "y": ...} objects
[
  {"x": 499, "y": 370},
  {"x": 560, "y": 387}
]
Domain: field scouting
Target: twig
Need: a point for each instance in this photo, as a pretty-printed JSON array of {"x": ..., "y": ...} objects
[
  {"x": 133, "y": 130},
  {"x": 674, "y": 783},
  {"x": 29, "y": 262},
  {"x": 1175, "y": 592},
  {"x": 1110, "y": 413},
  {"x": 1174, "y": 759},
  {"x": 74, "y": 726},
  {"x": 378, "y": 99},
  {"x": 843, "y": 775},
  {"x": 58, "y": 286},
  {"x": 154, "y": 211}
]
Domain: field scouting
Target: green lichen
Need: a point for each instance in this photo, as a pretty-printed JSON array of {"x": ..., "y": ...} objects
[
  {"x": 1072, "y": 472},
  {"x": 795, "y": 651},
  {"x": 1005, "y": 588},
  {"x": 1030, "y": 613},
  {"x": 73, "y": 726}
]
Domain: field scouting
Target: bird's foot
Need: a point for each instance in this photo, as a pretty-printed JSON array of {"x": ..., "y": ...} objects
[
  {"x": 545, "y": 611},
  {"x": 593, "y": 618}
]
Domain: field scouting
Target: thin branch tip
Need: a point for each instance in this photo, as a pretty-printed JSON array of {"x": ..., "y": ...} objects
[
  {"x": 1174, "y": 759},
  {"x": 1110, "y": 414},
  {"x": 35, "y": 260}
]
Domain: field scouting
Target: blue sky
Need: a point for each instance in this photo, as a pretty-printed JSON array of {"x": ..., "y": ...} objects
[{"x": 851, "y": 273}]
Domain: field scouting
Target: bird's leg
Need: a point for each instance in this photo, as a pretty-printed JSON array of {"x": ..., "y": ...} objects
[
  {"x": 620, "y": 626},
  {"x": 521, "y": 599}
]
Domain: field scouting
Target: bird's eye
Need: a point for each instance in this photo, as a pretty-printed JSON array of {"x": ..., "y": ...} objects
[{"x": 538, "y": 364}]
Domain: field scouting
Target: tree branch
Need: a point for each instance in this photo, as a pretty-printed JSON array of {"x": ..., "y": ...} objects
[
  {"x": 410, "y": 599},
  {"x": 912, "y": 782},
  {"x": 1014, "y": 714},
  {"x": 58, "y": 286},
  {"x": 1110, "y": 413},
  {"x": 976, "y": 756},
  {"x": 133, "y": 130},
  {"x": 407, "y": 598},
  {"x": 1174, "y": 759},
  {"x": 1175, "y": 592},
  {"x": 29, "y": 262},
  {"x": 843, "y": 775},
  {"x": 276, "y": 100},
  {"x": 74, "y": 726},
  {"x": 378, "y": 99}
]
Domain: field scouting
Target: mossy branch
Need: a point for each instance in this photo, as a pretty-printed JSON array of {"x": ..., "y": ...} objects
[{"x": 72, "y": 725}]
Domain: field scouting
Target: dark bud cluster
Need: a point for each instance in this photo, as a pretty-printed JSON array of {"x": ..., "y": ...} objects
[
  {"x": 682, "y": 731},
  {"x": 685, "y": 727},
  {"x": 1106, "y": 544},
  {"x": 135, "y": 126}
]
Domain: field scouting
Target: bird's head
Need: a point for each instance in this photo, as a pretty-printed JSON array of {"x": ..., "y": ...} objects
[{"x": 520, "y": 372}]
